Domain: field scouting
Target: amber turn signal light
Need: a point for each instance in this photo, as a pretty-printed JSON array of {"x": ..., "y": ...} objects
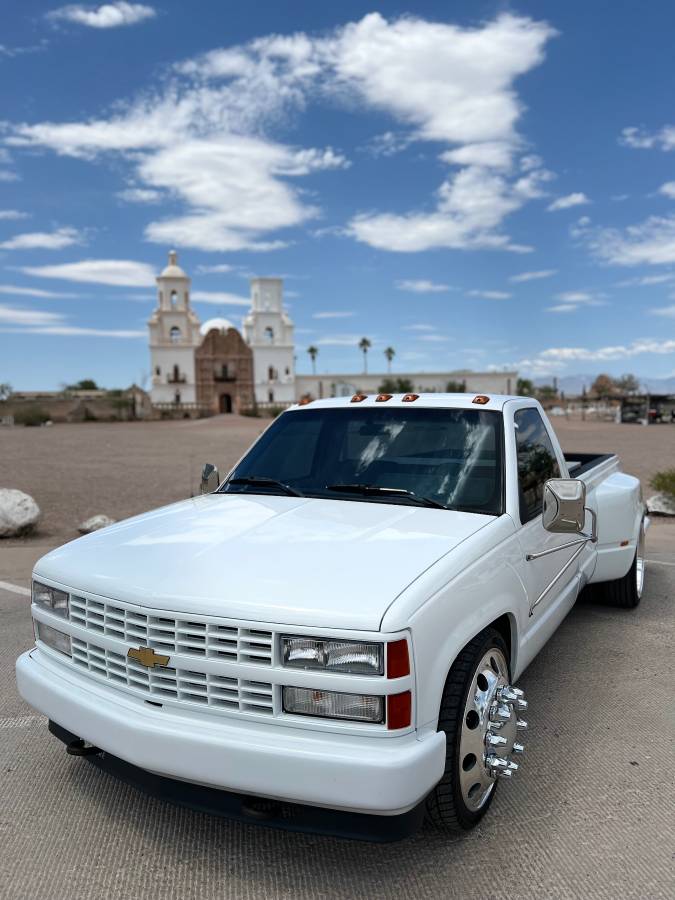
[
  {"x": 410, "y": 398},
  {"x": 382, "y": 398},
  {"x": 399, "y": 710},
  {"x": 481, "y": 399},
  {"x": 357, "y": 398}
]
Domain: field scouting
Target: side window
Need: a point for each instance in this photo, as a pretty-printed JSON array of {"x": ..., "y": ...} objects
[{"x": 536, "y": 462}]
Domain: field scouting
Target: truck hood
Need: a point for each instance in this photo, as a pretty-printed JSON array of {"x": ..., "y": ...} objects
[{"x": 282, "y": 560}]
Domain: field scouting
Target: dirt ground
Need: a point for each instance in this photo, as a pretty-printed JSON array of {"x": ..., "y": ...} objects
[{"x": 120, "y": 469}]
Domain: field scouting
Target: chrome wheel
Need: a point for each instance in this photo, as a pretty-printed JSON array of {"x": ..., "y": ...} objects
[
  {"x": 640, "y": 562},
  {"x": 489, "y": 729}
]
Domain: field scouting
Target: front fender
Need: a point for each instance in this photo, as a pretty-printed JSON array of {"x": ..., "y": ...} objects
[{"x": 485, "y": 591}]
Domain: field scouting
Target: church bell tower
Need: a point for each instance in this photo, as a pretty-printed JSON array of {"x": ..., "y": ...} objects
[
  {"x": 174, "y": 336},
  {"x": 268, "y": 330}
]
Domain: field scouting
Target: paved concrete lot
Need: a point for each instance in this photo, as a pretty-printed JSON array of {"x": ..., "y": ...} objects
[{"x": 589, "y": 815}]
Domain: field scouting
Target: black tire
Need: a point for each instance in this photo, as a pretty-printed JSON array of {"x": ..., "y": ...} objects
[
  {"x": 445, "y": 806},
  {"x": 622, "y": 593}
]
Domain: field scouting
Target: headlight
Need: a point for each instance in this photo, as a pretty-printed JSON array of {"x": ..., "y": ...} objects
[
  {"x": 57, "y": 640},
  {"x": 333, "y": 705},
  {"x": 50, "y": 598},
  {"x": 352, "y": 657}
]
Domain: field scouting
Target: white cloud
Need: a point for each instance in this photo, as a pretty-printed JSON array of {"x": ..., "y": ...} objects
[
  {"x": 108, "y": 15},
  {"x": 15, "y": 291},
  {"x": 219, "y": 297},
  {"x": 10, "y": 315},
  {"x": 221, "y": 268},
  {"x": 576, "y": 199},
  {"x": 12, "y": 214},
  {"x": 636, "y": 348},
  {"x": 43, "y": 240},
  {"x": 651, "y": 242},
  {"x": 419, "y": 327},
  {"x": 388, "y": 144},
  {"x": 117, "y": 272},
  {"x": 433, "y": 338},
  {"x": 8, "y": 176},
  {"x": 333, "y": 315},
  {"x": 422, "y": 286},
  {"x": 76, "y": 331},
  {"x": 668, "y": 189},
  {"x": 570, "y": 301},
  {"x": 668, "y": 311},
  {"x": 140, "y": 195},
  {"x": 647, "y": 280},
  {"x": 441, "y": 82},
  {"x": 640, "y": 139},
  {"x": 489, "y": 295},
  {"x": 532, "y": 276}
]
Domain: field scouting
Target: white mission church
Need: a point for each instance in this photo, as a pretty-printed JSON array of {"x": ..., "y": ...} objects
[{"x": 212, "y": 367}]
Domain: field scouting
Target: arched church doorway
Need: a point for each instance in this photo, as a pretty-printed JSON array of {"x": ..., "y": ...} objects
[{"x": 225, "y": 403}]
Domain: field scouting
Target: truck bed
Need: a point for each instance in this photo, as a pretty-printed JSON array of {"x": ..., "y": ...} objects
[{"x": 580, "y": 463}]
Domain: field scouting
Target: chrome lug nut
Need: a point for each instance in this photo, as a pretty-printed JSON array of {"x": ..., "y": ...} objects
[
  {"x": 520, "y": 704},
  {"x": 495, "y": 726},
  {"x": 501, "y": 713},
  {"x": 512, "y": 767},
  {"x": 507, "y": 773},
  {"x": 521, "y": 725},
  {"x": 518, "y": 748},
  {"x": 495, "y": 740},
  {"x": 496, "y": 763}
]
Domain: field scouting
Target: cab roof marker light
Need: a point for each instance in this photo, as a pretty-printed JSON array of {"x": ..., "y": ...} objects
[
  {"x": 481, "y": 399},
  {"x": 382, "y": 398},
  {"x": 358, "y": 398},
  {"x": 410, "y": 398},
  {"x": 303, "y": 401}
]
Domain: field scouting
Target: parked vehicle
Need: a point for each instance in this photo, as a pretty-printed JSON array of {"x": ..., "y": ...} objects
[{"x": 339, "y": 624}]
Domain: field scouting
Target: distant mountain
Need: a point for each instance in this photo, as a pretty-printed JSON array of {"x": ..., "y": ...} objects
[{"x": 572, "y": 385}]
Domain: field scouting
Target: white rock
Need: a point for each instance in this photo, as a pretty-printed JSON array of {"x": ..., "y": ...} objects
[
  {"x": 19, "y": 513},
  {"x": 661, "y": 504},
  {"x": 95, "y": 523}
]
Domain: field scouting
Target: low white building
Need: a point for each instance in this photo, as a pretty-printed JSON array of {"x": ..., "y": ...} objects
[
  {"x": 174, "y": 337},
  {"x": 342, "y": 384}
]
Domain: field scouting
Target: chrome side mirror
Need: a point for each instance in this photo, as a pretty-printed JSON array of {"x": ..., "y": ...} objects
[
  {"x": 210, "y": 479},
  {"x": 564, "y": 506}
]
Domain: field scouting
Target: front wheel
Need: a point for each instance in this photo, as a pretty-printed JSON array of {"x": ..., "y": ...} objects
[{"x": 479, "y": 715}]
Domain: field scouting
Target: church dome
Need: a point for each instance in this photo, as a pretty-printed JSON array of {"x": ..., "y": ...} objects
[
  {"x": 218, "y": 324},
  {"x": 173, "y": 270}
]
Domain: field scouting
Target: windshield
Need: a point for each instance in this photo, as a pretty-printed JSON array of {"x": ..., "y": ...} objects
[{"x": 433, "y": 457}]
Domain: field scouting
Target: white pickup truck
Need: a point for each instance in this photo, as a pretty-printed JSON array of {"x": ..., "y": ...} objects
[{"x": 337, "y": 626}]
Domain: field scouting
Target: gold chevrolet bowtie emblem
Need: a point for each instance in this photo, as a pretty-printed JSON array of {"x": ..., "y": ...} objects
[{"x": 146, "y": 656}]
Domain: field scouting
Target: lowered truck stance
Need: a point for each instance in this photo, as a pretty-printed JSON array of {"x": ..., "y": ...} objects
[{"x": 339, "y": 624}]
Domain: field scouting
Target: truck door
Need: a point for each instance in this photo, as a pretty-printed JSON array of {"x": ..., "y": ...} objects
[{"x": 537, "y": 462}]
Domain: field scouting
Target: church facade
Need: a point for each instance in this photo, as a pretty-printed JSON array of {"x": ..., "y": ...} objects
[{"x": 210, "y": 368}]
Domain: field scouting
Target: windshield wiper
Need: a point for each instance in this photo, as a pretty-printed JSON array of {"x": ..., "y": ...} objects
[
  {"x": 366, "y": 489},
  {"x": 264, "y": 481}
]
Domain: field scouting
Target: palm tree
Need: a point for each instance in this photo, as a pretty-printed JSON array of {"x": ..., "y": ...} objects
[
  {"x": 390, "y": 353},
  {"x": 364, "y": 346},
  {"x": 313, "y": 351}
]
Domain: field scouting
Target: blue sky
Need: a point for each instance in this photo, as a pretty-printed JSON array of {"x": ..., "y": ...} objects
[{"x": 475, "y": 184}]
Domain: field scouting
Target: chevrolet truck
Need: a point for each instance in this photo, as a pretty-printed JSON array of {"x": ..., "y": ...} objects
[{"x": 335, "y": 629}]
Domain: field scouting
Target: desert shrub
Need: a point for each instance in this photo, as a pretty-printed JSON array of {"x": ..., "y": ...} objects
[
  {"x": 396, "y": 386},
  {"x": 664, "y": 481},
  {"x": 31, "y": 417},
  {"x": 251, "y": 411}
]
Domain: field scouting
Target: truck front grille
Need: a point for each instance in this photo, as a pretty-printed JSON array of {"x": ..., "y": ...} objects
[
  {"x": 167, "y": 634},
  {"x": 165, "y": 683}
]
